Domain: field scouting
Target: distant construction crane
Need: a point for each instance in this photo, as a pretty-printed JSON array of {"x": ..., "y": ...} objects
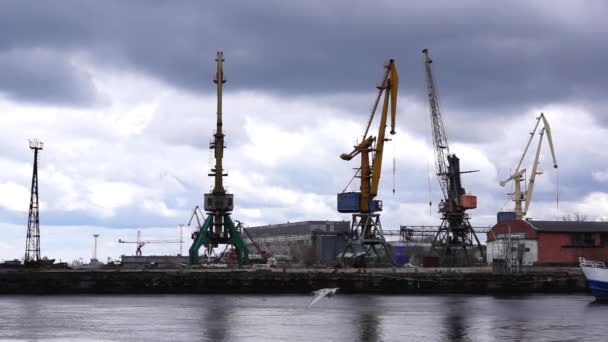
[
  {"x": 522, "y": 199},
  {"x": 365, "y": 236},
  {"x": 241, "y": 226},
  {"x": 455, "y": 232},
  {"x": 32, "y": 243},
  {"x": 139, "y": 243}
]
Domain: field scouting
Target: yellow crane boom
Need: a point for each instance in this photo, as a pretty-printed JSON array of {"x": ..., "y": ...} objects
[{"x": 370, "y": 170}]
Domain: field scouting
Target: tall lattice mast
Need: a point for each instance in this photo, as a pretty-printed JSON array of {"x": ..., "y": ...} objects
[{"x": 32, "y": 244}]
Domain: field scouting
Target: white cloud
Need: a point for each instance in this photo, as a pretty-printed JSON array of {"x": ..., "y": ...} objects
[
  {"x": 600, "y": 176},
  {"x": 269, "y": 144},
  {"x": 159, "y": 207},
  {"x": 135, "y": 120},
  {"x": 111, "y": 195},
  {"x": 14, "y": 197},
  {"x": 595, "y": 206}
]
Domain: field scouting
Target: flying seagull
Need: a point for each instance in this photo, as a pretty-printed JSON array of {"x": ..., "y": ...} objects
[{"x": 327, "y": 292}]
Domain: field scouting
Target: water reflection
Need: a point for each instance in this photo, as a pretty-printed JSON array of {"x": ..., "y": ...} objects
[
  {"x": 456, "y": 319},
  {"x": 215, "y": 318},
  {"x": 513, "y": 318},
  {"x": 368, "y": 322},
  {"x": 25, "y": 316},
  {"x": 287, "y": 318},
  {"x": 368, "y": 327}
]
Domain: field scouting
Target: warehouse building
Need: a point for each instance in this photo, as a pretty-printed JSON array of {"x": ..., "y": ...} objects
[
  {"x": 307, "y": 242},
  {"x": 548, "y": 243}
]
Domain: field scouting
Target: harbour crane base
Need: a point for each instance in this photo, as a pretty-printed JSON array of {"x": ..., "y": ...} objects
[
  {"x": 366, "y": 243},
  {"x": 455, "y": 245},
  {"x": 205, "y": 237}
]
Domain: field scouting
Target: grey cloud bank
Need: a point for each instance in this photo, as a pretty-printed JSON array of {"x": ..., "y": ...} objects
[{"x": 490, "y": 54}]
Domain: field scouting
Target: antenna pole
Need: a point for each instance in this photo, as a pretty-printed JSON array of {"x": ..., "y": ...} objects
[{"x": 95, "y": 236}]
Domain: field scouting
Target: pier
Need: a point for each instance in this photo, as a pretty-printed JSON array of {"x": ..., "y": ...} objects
[{"x": 290, "y": 281}]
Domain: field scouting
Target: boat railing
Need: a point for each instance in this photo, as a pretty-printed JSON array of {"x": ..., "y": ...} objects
[{"x": 588, "y": 263}]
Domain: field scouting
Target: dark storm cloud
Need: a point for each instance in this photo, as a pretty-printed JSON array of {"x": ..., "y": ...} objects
[
  {"x": 38, "y": 76},
  {"x": 486, "y": 55}
]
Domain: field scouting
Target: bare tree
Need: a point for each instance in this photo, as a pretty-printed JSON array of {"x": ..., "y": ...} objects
[{"x": 577, "y": 217}]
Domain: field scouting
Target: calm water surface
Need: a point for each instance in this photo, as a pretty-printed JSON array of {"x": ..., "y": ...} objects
[{"x": 280, "y": 318}]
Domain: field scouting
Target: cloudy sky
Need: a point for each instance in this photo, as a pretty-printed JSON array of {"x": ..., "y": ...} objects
[{"x": 121, "y": 94}]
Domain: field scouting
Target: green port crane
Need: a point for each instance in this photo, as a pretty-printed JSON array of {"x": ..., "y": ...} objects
[{"x": 218, "y": 227}]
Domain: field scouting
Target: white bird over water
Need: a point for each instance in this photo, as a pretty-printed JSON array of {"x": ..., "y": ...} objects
[{"x": 327, "y": 292}]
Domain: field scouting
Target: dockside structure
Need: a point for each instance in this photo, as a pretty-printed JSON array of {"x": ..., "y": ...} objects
[
  {"x": 308, "y": 242},
  {"x": 550, "y": 243}
]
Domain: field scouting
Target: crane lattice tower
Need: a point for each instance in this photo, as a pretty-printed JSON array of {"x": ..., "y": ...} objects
[
  {"x": 455, "y": 240},
  {"x": 32, "y": 242}
]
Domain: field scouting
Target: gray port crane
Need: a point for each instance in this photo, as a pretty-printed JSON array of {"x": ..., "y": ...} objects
[{"x": 455, "y": 237}]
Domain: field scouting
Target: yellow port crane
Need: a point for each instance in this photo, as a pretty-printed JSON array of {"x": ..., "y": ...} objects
[
  {"x": 370, "y": 173},
  {"x": 366, "y": 229},
  {"x": 523, "y": 199}
]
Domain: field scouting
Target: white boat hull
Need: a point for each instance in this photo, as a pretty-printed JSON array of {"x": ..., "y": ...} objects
[{"x": 597, "y": 277}]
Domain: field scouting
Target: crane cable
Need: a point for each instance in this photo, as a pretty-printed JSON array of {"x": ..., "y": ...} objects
[
  {"x": 556, "y": 191},
  {"x": 428, "y": 175},
  {"x": 394, "y": 167},
  {"x": 351, "y": 180},
  {"x": 429, "y": 138},
  {"x": 512, "y": 190}
]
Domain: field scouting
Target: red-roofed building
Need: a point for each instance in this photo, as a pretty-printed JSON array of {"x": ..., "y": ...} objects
[{"x": 550, "y": 242}]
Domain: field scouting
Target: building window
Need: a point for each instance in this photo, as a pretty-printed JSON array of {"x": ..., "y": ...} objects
[
  {"x": 603, "y": 239},
  {"x": 582, "y": 240}
]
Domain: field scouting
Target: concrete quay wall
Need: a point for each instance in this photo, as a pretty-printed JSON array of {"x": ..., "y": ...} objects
[{"x": 277, "y": 282}]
